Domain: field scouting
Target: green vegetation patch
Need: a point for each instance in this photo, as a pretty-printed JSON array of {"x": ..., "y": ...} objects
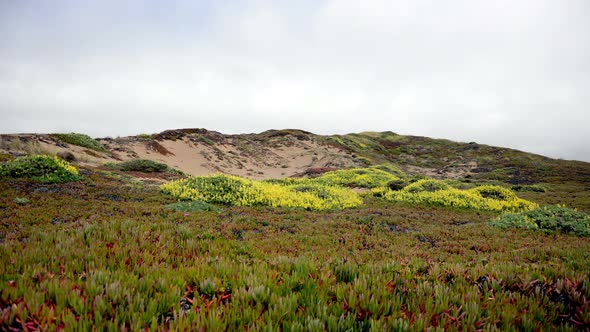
[
  {"x": 140, "y": 165},
  {"x": 233, "y": 190},
  {"x": 81, "y": 140},
  {"x": 371, "y": 177},
  {"x": 5, "y": 157},
  {"x": 40, "y": 168},
  {"x": 532, "y": 188},
  {"x": 427, "y": 185},
  {"x": 117, "y": 259},
  {"x": 549, "y": 219},
  {"x": 440, "y": 193},
  {"x": 192, "y": 206},
  {"x": 22, "y": 200}
]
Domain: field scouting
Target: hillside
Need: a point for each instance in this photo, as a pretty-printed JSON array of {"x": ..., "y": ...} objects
[
  {"x": 358, "y": 232},
  {"x": 291, "y": 152}
]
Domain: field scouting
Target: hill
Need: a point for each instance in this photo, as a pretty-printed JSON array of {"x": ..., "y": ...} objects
[
  {"x": 292, "y": 152},
  {"x": 285, "y": 230}
]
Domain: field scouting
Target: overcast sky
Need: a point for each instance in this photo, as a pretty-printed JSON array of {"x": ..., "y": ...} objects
[{"x": 507, "y": 73}]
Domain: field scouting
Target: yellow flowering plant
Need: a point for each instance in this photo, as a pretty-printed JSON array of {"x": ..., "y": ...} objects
[
  {"x": 233, "y": 190},
  {"x": 436, "y": 192},
  {"x": 371, "y": 177}
]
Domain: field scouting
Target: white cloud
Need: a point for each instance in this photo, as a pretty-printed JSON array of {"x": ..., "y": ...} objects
[{"x": 500, "y": 72}]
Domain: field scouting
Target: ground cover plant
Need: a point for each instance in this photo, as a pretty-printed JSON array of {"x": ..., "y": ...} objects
[
  {"x": 140, "y": 165},
  {"x": 118, "y": 258},
  {"x": 80, "y": 140},
  {"x": 441, "y": 193},
  {"x": 549, "y": 219},
  {"x": 233, "y": 190},
  {"x": 370, "y": 177},
  {"x": 41, "y": 168},
  {"x": 192, "y": 206}
]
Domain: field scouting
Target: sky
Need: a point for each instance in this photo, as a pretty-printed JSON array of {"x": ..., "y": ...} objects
[{"x": 507, "y": 73}]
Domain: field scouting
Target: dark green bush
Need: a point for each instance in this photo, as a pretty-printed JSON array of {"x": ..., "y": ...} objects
[
  {"x": 81, "y": 140},
  {"x": 494, "y": 193},
  {"x": 397, "y": 184},
  {"x": 549, "y": 219},
  {"x": 319, "y": 191},
  {"x": 40, "y": 168},
  {"x": 533, "y": 187},
  {"x": 429, "y": 185},
  {"x": 141, "y": 165}
]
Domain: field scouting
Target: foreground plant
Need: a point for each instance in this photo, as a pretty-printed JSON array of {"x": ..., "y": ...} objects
[
  {"x": 549, "y": 219},
  {"x": 40, "y": 168},
  {"x": 233, "y": 190}
]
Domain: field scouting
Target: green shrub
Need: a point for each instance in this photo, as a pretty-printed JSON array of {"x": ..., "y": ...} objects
[
  {"x": 533, "y": 188},
  {"x": 146, "y": 136},
  {"x": 494, "y": 192},
  {"x": 40, "y": 168},
  {"x": 549, "y": 219},
  {"x": 81, "y": 140},
  {"x": 397, "y": 184},
  {"x": 428, "y": 185},
  {"x": 140, "y": 165},
  {"x": 371, "y": 177}
]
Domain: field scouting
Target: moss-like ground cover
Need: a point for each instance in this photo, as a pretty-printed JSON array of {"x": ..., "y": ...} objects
[{"x": 119, "y": 258}]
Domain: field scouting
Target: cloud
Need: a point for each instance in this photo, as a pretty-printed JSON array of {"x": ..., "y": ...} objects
[{"x": 501, "y": 73}]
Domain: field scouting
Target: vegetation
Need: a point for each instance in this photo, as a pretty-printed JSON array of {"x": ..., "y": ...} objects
[
  {"x": 140, "y": 165},
  {"x": 40, "y": 168},
  {"x": 487, "y": 162},
  {"x": 533, "y": 187},
  {"x": 310, "y": 254},
  {"x": 549, "y": 219},
  {"x": 121, "y": 259},
  {"x": 233, "y": 190},
  {"x": 370, "y": 177},
  {"x": 440, "y": 193},
  {"x": 81, "y": 140},
  {"x": 192, "y": 206},
  {"x": 5, "y": 157}
]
